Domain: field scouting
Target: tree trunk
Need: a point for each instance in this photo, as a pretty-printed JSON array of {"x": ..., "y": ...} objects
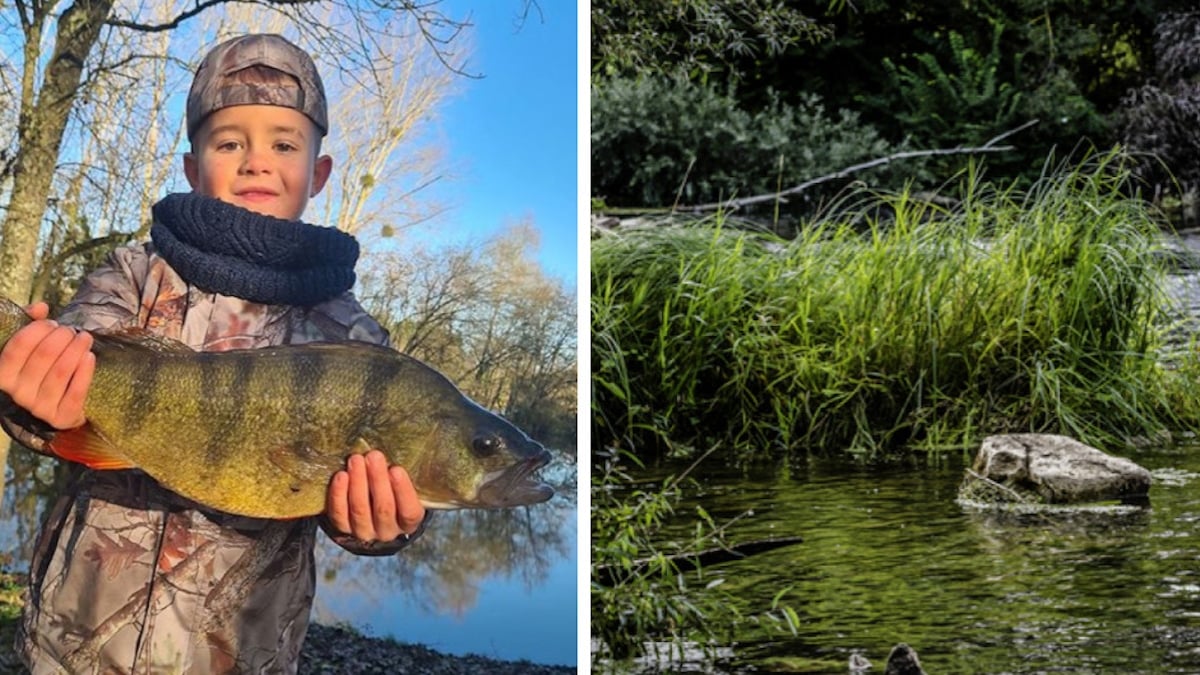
[{"x": 40, "y": 130}]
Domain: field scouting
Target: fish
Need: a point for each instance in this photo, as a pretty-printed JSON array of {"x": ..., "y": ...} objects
[{"x": 260, "y": 432}]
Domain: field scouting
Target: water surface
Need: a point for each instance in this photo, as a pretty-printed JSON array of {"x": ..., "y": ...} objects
[{"x": 889, "y": 556}]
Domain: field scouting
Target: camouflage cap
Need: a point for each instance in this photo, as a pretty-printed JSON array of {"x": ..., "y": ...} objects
[{"x": 212, "y": 89}]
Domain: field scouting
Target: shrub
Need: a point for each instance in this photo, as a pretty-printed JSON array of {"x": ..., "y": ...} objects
[
  {"x": 661, "y": 142},
  {"x": 1161, "y": 120}
]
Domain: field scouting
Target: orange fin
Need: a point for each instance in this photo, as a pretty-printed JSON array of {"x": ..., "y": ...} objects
[{"x": 84, "y": 445}]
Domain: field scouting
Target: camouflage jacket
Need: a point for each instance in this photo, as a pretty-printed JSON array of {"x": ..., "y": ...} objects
[{"x": 128, "y": 577}]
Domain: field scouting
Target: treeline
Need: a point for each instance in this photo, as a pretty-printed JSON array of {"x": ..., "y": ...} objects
[
  {"x": 703, "y": 100},
  {"x": 488, "y": 317}
]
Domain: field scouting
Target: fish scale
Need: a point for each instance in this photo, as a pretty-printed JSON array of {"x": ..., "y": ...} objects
[{"x": 260, "y": 432}]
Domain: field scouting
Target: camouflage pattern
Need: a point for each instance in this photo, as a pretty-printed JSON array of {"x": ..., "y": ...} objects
[
  {"x": 211, "y": 90},
  {"x": 128, "y": 577}
]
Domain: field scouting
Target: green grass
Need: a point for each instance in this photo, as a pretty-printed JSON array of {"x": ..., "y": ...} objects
[
  {"x": 891, "y": 324},
  {"x": 643, "y": 594}
]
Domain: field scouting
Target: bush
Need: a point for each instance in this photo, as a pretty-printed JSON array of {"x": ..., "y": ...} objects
[
  {"x": 1161, "y": 121},
  {"x": 663, "y": 142},
  {"x": 974, "y": 98}
]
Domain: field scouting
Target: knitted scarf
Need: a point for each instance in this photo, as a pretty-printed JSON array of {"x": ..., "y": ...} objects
[{"x": 232, "y": 251}]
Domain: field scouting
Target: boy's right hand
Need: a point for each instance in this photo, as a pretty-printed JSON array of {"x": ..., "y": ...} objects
[{"x": 47, "y": 369}]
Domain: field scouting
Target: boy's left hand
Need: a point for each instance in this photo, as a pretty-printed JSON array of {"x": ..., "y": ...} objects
[{"x": 372, "y": 501}]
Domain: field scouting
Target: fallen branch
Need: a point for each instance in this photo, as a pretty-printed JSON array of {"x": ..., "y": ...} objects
[
  {"x": 604, "y": 574},
  {"x": 733, "y": 204}
]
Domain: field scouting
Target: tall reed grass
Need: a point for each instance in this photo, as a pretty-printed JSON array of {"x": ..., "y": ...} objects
[{"x": 890, "y": 324}]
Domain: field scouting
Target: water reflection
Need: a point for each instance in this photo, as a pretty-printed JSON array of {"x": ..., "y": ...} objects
[
  {"x": 31, "y": 480},
  {"x": 444, "y": 568}
]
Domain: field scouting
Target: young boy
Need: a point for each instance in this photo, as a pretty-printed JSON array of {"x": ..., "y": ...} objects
[{"x": 127, "y": 576}]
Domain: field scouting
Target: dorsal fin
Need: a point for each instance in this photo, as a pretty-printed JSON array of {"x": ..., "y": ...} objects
[
  {"x": 140, "y": 338},
  {"x": 348, "y": 345}
]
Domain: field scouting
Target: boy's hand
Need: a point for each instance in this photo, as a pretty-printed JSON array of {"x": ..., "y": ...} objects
[
  {"x": 47, "y": 369},
  {"x": 372, "y": 501}
]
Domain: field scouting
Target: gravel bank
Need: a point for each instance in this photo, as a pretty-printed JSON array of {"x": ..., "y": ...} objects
[
  {"x": 336, "y": 651},
  {"x": 329, "y": 650}
]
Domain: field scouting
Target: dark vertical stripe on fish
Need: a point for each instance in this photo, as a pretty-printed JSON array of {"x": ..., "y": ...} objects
[
  {"x": 231, "y": 400},
  {"x": 308, "y": 371},
  {"x": 142, "y": 397},
  {"x": 371, "y": 394},
  {"x": 374, "y": 391}
]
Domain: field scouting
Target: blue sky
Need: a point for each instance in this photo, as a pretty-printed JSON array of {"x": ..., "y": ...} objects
[{"x": 512, "y": 134}]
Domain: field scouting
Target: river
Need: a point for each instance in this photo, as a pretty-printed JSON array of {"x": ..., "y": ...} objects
[{"x": 889, "y": 556}]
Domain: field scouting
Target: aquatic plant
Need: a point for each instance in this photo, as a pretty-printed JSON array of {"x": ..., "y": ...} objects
[
  {"x": 893, "y": 323},
  {"x": 647, "y": 592}
]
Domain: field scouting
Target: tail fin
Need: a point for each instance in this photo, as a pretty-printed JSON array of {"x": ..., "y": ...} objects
[{"x": 12, "y": 319}]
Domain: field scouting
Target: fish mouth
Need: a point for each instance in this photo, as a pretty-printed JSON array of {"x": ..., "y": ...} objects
[{"x": 515, "y": 485}]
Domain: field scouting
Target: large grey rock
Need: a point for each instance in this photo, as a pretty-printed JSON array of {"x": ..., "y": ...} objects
[{"x": 1057, "y": 470}]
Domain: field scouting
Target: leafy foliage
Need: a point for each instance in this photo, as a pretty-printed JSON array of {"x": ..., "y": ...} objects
[
  {"x": 644, "y": 601},
  {"x": 976, "y": 98},
  {"x": 638, "y": 594},
  {"x": 1161, "y": 120},
  {"x": 692, "y": 38},
  {"x": 968, "y": 103},
  {"x": 952, "y": 75},
  {"x": 660, "y": 142}
]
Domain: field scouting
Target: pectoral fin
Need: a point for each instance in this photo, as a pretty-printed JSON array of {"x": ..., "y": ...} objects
[
  {"x": 360, "y": 447},
  {"x": 87, "y": 447}
]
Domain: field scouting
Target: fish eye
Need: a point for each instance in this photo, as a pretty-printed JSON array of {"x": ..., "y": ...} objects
[{"x": 486, "y": 446}]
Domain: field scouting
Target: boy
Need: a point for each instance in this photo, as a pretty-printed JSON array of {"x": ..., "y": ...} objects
[{"x": 127, "y": 576}]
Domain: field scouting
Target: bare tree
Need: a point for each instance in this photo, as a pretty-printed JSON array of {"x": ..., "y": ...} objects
[
  {"x": 381, "y": 164},
  {"x": 92, "y": 66},
  {"x": 488, "y": 317}
]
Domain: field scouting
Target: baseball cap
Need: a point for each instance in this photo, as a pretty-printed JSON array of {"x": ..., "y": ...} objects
[{"x": 212, "y": 91}]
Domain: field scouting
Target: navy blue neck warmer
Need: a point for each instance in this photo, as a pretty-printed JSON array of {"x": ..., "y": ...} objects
[{"x": 229, "y": 250}]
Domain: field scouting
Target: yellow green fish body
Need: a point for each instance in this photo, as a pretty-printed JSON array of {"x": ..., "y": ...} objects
[{"x": 260, "y": 432}]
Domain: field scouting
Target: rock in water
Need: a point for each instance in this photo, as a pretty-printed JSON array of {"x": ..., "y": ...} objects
[
  {"x": 903, "y": 661},
  {"x": 1053, "y": 469}
]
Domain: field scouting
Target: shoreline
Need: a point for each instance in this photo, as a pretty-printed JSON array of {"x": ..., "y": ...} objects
[{"x": 334, "y": 649}]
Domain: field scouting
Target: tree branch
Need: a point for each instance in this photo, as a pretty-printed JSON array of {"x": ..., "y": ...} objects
[
  {"x": 437, "y": 29},
  {"x": 23, "y": 14},
  {"x": 530, "y": 6},
  {"x": 200, "y": 6},
  {"x": 734, "y": 204}
]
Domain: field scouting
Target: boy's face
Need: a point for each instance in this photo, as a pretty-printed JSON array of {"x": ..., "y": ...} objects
[{"x": 260, "y": 157}]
